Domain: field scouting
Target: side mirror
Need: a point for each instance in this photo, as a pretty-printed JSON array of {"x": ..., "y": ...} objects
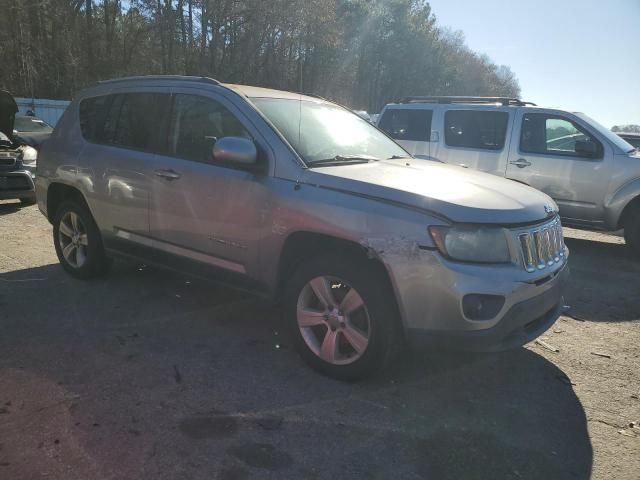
[
  {"x": 238, "y": 150},
  {"x": 586, "y": 148}
]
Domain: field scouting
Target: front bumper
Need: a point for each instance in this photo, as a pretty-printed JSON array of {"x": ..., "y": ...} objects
[
  {"x": 17, "y": 184},
  {"x": 430, "y": 295}
]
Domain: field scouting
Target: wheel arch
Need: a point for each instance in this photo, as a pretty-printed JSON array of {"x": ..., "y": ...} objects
[
  {"x": 302, "y": 245},
  {"x": 57, "y": 193},
  {"x": 631, "y": 206}
]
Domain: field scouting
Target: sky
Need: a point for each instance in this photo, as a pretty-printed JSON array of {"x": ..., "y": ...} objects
[{"x": 576, "y": 55}]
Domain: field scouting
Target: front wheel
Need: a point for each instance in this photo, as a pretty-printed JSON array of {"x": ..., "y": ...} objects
[
  {"x": 78, "y": 242},
  {"x": 341, "y": 315}
]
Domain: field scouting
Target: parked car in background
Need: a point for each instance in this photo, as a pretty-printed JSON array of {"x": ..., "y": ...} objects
[
  {"x": 363, "y": 114},
  {"x": 301, "y": 200},
  {"x": 632, "y": 139},
  {"x": 31, "y": 130},
  {"x": 591, "y": 173},
  {"x": 17, "y": 161}
]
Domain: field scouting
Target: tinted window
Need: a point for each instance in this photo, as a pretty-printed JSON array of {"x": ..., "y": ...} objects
[
  {"x": 407, "y": 124},
  {"x": 92, "y": 115},
  {"x": 139, "y": 118},
  {"x": 128, "y": 120},
  {"x": 552, "y": 135},
  {"x": 475, "y": 129},
  {"x": 196, "y": 124}
]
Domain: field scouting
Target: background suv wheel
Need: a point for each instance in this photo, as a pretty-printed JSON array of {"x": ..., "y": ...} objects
[
  {"x": 78, "y": 242},
  {"x": 632, "y": 230}
]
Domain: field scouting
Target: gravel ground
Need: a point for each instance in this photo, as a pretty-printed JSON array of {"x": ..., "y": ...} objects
[{"x": 148, "y": 374}]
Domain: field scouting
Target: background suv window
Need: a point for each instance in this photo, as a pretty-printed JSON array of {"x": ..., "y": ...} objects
[
  {"x": 475, "y": 129},
  {"x": 407, "y": 124},
  {"x": 552, "y": 135},
  {"x": 196, "y": 124}
]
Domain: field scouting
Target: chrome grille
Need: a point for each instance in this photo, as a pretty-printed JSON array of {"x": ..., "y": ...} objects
[{"x": 542, "y": 246}]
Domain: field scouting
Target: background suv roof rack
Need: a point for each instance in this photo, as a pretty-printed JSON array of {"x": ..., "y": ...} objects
[
  {"x": 183, "y": 78},
  {"x": 457, "y": 99}
]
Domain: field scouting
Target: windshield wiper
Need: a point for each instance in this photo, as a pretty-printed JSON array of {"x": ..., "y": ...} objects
[
  {"x": 398, "y": 157},
  {"x": 342, "y": 160}
]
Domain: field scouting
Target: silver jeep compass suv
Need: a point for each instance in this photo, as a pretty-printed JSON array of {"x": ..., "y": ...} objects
[{"x": 303, "y": 201}]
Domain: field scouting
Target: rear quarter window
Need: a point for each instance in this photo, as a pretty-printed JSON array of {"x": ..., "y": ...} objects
[
  {"x": 92, "y": 115},
  {"x": 475, "y": 129},
  {"x": 127, "y": 120},
  {"x": 409, "y": 124}
]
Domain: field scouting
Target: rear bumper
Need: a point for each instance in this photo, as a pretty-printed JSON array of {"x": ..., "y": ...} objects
[{"x": 17, "y": 184}]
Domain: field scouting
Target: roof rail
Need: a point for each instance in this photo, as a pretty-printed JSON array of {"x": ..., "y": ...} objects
[
  {"x": 183, "y": 78},
  {"x": 505, "y": 101},
  {"x": 314, "y": 95}
]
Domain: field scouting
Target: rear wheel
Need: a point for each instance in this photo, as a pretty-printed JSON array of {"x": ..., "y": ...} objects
[
  {"x": 632, "y": 230},
  {"x": 341, "y": 316},
  {"x": 78, "y": 242}
]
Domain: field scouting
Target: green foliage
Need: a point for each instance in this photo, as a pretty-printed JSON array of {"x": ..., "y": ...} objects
[{"x": 362, "y": 53}]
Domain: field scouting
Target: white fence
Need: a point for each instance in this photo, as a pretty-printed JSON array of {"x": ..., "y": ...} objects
[{"x": 48, "y": 110}]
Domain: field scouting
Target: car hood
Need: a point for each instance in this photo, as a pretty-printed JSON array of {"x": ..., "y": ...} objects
[
  {"x": 459, "y": 194},
  {"x": 33, "y": 139},
  {"x": 8, "y": 109}
]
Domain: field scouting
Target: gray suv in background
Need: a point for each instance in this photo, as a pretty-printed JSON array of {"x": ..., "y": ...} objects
[
  {"x": 302, "y": 201},
  {"x": 591, "y": 173}
]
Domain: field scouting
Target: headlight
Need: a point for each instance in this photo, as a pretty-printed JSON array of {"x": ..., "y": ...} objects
[
  {"x": 472, "y": 243},
  {"x": 29, "y": 156}
]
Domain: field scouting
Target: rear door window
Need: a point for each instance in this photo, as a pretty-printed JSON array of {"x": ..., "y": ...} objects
[
  {"x": 475, "y": 129},
  {"x": 408, "y": 124}
]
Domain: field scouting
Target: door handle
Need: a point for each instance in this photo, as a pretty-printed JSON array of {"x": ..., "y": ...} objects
[
  {"x": 168, "y": 174},
  {"x": 521, "y": 163}
]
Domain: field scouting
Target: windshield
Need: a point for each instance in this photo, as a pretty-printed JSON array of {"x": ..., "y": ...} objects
[
  {"x": 621, "y": 143},
  {"x": 31, "y": 124},
  {"x": 321, "y": 131}
]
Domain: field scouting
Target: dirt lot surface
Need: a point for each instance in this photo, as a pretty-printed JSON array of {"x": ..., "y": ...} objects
[{"x": 148, "y": 374}]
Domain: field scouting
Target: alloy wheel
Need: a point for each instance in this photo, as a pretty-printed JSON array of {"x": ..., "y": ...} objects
[
  {"x": 333, "y": 320},
  {"x": 73, "y": 239}
]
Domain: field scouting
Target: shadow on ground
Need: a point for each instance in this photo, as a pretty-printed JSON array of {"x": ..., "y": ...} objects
[
  {"x": 604, "y": 285},
  {"x": 9, "y": 208},
  {"x": 147, "y": 374}
]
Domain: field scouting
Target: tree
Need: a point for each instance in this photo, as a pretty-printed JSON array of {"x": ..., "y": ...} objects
[
  {"x": 361, "y": 53},
  {"x": 626, "y": 128}
]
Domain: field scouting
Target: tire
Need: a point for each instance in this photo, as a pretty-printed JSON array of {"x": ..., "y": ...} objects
[
  {"x": 632, "y": 230},
  {"x": 345, "y": 281},
  {"x": 85, "y": 257},
  {"x": 26, "y": 202}
]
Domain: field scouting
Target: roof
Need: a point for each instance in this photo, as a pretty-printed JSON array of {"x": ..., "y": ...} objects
[
  {"x": 146, "y": 78},
  {"x": 244, "y": 90},
  {"x": 261, "y": 92}
]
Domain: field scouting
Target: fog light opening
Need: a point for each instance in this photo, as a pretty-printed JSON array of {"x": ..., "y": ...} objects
[{"x": 482, "y": 307}]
